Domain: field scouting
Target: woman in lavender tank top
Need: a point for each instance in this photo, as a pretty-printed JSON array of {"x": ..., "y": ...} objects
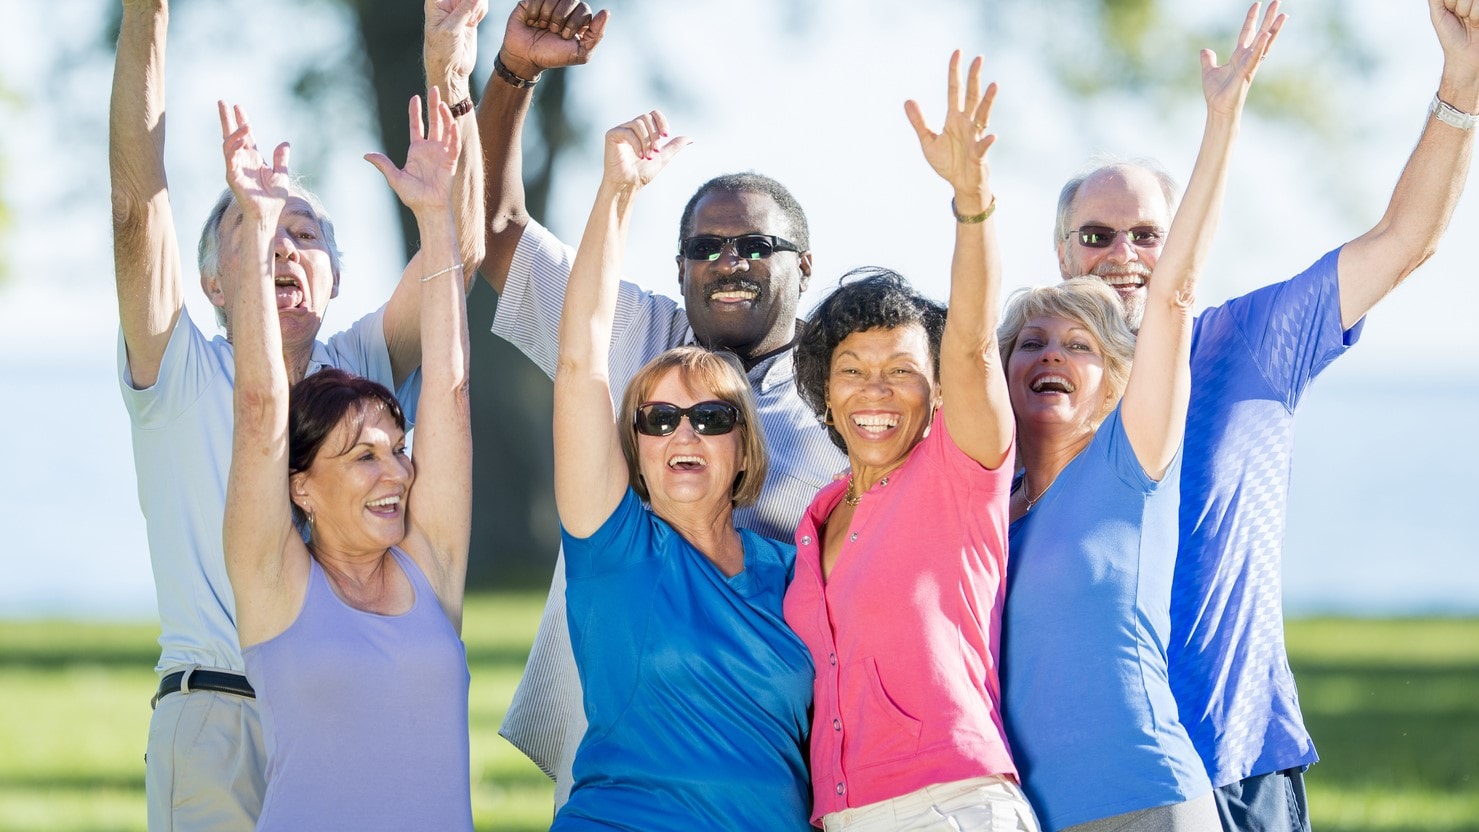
[{"x": 351, "y": 639}]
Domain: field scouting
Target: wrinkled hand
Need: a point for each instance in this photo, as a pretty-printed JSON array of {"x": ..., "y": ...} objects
[
  {"x": 1457, "y": 24},
  {"x": 958, "y": 151},
  {"x": 426, "y": 180},
  {"x": 1226, "y": 86},
  {"x": 639, "y": 149},
  {"x": 451, "y": 34},
  {"x": 260, "y": 189},
  {"x": 548, "y": 34}
]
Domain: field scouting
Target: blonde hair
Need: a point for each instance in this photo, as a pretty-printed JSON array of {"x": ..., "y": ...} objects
[
  {"x": 1088, "y": 302},
  {"x": 699, "y": 369}
]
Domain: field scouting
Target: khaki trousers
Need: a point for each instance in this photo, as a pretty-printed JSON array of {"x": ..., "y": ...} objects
[{"x": 206, "y": 764}]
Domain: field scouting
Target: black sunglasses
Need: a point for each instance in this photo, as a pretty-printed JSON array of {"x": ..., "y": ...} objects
[
  {"x": 1102, "y": 236},
  {"x": 707, "y": 418},
  {"x": 746, "y": 246}
]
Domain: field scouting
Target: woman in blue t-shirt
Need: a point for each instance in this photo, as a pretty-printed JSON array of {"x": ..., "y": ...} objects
[
  {"x": 1089, "y": 711},
  {"x": 695, "y": 689}
]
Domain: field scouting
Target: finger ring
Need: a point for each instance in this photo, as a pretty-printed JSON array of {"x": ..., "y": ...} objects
[{"x": 985, "y": 126}]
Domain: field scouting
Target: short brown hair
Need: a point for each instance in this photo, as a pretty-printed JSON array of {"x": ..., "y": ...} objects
[
  {"x": 700, "y": 369},
  {"x": 1090, "y": 303}
]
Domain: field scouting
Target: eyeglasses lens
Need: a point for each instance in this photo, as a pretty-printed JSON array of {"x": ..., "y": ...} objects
[
  {"x": 707, "y": 418},
  {"x": 1102, "y": 236}
]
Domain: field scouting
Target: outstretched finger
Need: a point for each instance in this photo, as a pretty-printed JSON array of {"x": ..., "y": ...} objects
[
  {"x": 973, "y": 85},
  {"x": 952, "y": 86},
  {"x": 1209, "y": 60},
  {"x": 413, "y": 112},
  {"x": 434, "y": 125},
  {"x": 916, "y": 120},
  {"x": 280, "y": 158},
  {"x": 226, "y": 128},
  {"x": 982, "y": 116},
  {"x": 1245, "y": 37},
  {"x": 1273, "y": 34},
  {"x": 386, "y": 167}
]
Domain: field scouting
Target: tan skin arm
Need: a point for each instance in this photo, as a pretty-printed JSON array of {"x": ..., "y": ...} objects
[
  {"x": 450, "y": 45},
  {"x": 540, "y": 35},
  {"x": 146, "y": 253},
  {"x": 978, "y": 410},
  {"x": 1159, "y": 390},
  {"x": 1422, "y": 203}
]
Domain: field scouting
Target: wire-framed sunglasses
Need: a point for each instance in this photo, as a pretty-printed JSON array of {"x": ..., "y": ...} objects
[
  {"x": 713, "y": 418},
  {"x": 746, "y": 246},
  {"x": 1102, "y": 236}
]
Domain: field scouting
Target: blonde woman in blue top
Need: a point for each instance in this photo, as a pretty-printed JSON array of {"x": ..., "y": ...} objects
[
  {"x": 1089, "y": 709},
  {"x": 695, "y": 689}
]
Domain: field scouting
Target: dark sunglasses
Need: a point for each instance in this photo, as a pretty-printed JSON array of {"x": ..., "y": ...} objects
[
  {"x": 707, "y": 418},
  {"x": 1102, "y": 236},
  {"x": 746, "y": 246}
]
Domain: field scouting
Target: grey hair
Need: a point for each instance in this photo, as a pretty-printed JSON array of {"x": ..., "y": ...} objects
[
  {"x": 208, "y": 251},
  {"x": 1102, "y": 162},
  {"x": 1087, "y": 301}
]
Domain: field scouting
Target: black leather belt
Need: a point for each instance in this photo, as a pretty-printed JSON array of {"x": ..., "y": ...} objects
[{"x": 203, "y": 680}]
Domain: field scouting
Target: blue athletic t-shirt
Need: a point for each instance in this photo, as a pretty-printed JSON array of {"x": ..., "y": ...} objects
[
  {"x": 696, "y": 691},
  {"x": 1251, "y": 361},
  {"x": 1088, "y": 708}
]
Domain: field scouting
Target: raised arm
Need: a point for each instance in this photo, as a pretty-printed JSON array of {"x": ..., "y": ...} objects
[
  {"x": 541, "y": 34},
  {"x": 450, "y": 48},
  {"x": 146, "y": 254},
  {"x": 1155, "y": 402},
  {"x": 1427, "y": 191},
  {"x": 590, "y": 472},
  {"x": 978, "y": 411},
  {"x": 264, "y": 555},
  {"x": 439, "y": 507}
]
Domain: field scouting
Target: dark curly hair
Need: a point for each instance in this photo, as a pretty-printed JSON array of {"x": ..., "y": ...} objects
[
  {"x": 750, "y": 182},
  {"x": 866, "y": 298},
  {"x": 317, "y": 405}
]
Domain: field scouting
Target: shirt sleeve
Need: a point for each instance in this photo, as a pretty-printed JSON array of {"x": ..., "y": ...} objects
[
  {"x": 187, "y": 367},
  {"x": 528, "y": 313},
  {"x": 1112, "y": 445},
  {"x": 960, "y": 467},
  {"x": 361, "y": 350},
  {"x": 626, "y": 538},
  {"x": 1292, "y": 330}
]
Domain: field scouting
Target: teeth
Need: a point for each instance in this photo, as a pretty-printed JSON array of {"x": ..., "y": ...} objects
[
  {"x": 384, "y": 502},
  {"x": 1124, "y": 280},
  {"x": 1060, "y": 384},
  {"x": 876, "y": 421},
  {"x": 734, "y": 294},
  {"x": 680, "y": 460}
]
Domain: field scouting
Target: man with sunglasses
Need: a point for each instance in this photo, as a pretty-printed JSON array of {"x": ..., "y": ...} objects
[
  {"x": 1252, "y": 358},
  {"x": 743, "y": 261}
]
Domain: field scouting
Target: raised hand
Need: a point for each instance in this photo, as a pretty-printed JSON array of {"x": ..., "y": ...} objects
[
  {"x": 548, "y": 34},
  {"x": 1457, "y": 24},
  {"x": 1226, "y": 86},
  {"x": 639, "y": 149},
  {"x": 260, "y": 189},
  {"x": 426, "y": 180},
  {"x": 958, "y": 151},
  {"x": 451, "y": 34}
]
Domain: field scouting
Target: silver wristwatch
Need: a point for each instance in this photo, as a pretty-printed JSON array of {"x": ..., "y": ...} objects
[{"x": 1451, "y": 115}]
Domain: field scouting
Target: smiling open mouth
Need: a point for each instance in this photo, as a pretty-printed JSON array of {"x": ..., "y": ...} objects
[
  {"x": 289, "y": 292},
  {"x": 686, "y": 463},
  {"x": 875, "y": 422},
  {"x": 734, "y": 292},
  {"x": 1052, "y": 384}
]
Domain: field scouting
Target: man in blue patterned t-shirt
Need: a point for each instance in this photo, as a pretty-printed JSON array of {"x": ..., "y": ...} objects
[{"x": 1252, "y": 360}]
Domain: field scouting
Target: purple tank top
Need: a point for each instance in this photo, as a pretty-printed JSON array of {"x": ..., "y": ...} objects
[{"x": 364, "y": 715}]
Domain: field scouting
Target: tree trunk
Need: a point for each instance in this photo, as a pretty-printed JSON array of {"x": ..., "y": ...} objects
[{"x": 514, "y": 530}]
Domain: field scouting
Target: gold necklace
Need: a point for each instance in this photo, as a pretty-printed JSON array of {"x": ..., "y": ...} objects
[{"x": 855, "y": 500}]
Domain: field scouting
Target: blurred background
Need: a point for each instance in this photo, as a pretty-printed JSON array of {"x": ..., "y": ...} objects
[{"x": 810, "y": 93}]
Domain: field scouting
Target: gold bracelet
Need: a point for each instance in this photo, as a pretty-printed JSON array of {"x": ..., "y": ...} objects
[
  {"x": 973, "y": 218},
  {"x": 456, "y": 267}
]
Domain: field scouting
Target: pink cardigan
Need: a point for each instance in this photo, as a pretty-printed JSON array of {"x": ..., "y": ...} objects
[{"x": 906, "y": 631}]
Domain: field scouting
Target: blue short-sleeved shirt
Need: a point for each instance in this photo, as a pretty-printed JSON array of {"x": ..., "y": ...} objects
[
  {"x": 1089, "y": 710},
  {"x": 696, "y": 691},
  {"x": 1251, "y": 361}
]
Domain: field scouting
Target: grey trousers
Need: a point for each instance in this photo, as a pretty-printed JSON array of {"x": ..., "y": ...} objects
[{"x": 206, "y": 763}]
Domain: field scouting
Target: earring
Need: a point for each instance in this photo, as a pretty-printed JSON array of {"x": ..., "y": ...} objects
[
  {"x": 827, "y": 416},
  {"x": 310, "y": 527}
]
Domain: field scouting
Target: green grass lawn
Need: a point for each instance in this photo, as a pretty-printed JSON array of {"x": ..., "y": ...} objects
[{"x": 1394, "y": 706}]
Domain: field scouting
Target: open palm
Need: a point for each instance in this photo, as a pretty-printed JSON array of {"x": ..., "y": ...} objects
[
  {"x": 426, "y": 179},
  {"x": 1226, "y": 86},
  {"x": 260, "y": 189},
  {"x": 958, "y": 151}
]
